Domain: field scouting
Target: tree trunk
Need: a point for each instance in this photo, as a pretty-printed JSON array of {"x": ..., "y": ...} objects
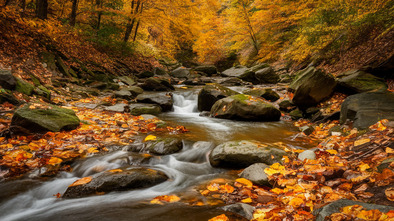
[
  {"x": 138, "y": 24},
  {"x": 73, "y": 14},
  {"x": 99, "y": 4},
  {"x": 134, "y": 11},
  {"x": 42, "y": 9}
]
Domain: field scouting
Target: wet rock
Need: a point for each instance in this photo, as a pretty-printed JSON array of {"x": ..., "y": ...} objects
[
  {"x": 236, "y": 71},
  {"x": 180, "y": 72},
  {"x": 267, "y": 76},
  {"x": 307, "y": 130},
  {"x": 24, "y": 87},
  {"x": 164, "y": 101},
  {"x": 241, "y": 209},
  {"x": 296, "y": 114},
  {"x": 208, "y": 70},
  {"x": 267, "y": 94},
  {"x": 357, "y": 81},
  {"x": 127, "y": 80},
  {"x": 139, "y": 109},
  {"x": 212, "y": 93},
  {"x": 127, "y": 179},
  {"x": 286, "y": 106},
  {"x": 367, "y": 108},
  {"x": 335, "y": 207},
  {"x": 234, "y": 81},
  {"x": 134, "y": 90},
  {"x": 116, "y": 108},
  {"x": 39, "y": 117},
  {"x": 157, "y": 84},
  {"x": 256, "y": 174},
  {"x": 7, "y": 80},
  {"x": 245, "y": 107},
  {"x": 238, "y": 154},
  {"x": 159, "y": 71},
  {"x": 311, "y": 86},
  {"x": 124, "y": 94},
  {"x": 205, "y": 114},
  {"x": 164, "y": 146},
  {"x": 145, "y": 74},
  {"x": 307, "y": 154}
]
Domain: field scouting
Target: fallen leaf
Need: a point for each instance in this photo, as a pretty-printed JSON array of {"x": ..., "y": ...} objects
[
  {"x": 333, "y": 152},
  {"x": 115, "y": 171},
  {"x": 247, "y": 200},
  {"x": 221, "y": 217},
  {"x": 150, "y": 137},
  {"x": 244, "y": 181},
  {"x": 361, "y": 141},
  {"x": 54, "y": 161},
  {"x": 389, "y": 150},
  {"x": 81, "y": 181},
  {"x": 389, "y": 193}
]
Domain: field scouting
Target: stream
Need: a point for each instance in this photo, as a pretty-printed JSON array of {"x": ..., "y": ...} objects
[{"x": 30, "y": 199}]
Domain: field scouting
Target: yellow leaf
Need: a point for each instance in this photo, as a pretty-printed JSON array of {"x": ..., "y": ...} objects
[
  {"x": 244, "y": 181},
  {"x": 228, "y": 188},
  {"x": 81, "y": 181},
  {"x": 333, "y": 152},
  {"x": 150, "y": 137},
  {"x": 115, "y": 171},
  {"x": 389, "y": 150},
  {"x": 363, "y": 167},
  {"x": 247, "y": 200},
  {"x": 54, "y": 161},
  {"x": 361, "y": 142},
  {"x": 165, "y": 198},
  {"x": 93, "y": 150},
  {"x": 296, "y": 202}
]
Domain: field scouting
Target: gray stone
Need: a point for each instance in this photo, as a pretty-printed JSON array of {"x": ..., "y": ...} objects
[
  {"x": 311, "y": 86},
  {"x": 180, "y": 72},
  {"x": 128, "y": 179},
  {"x": 286, "y": 106},
  {"x": 245, "y": 107},
  {"x": 307, "y": 130},
  {"x": 164, "y": 146},
  {"x": 296, "y": 114},
  {"x": 134, "y": 90},
  {"x": 235, "y": 71},
  {"x": 367, "y": 108},
  {"x": 267, "y": 94},
  {"x": 116, "y": 108},
  {"x": 357, "y": 81},
  {"x": 159, "y": 71},
  {"x": 140, "y": 109},
  {"x": 124, "y": 94},
  {"x": 43, "y": 92},
  {"x": 209, "y": 70},
  {"x": 307, "y": 154},
  {"x": 40, "y": 117},
  {"x": 234, "y": 81},
  {"x": 210, "y": 94},
  {"x": 7, "y": 80},
  {"x": 256, "y": 174},
  {"x": 335, "y": 207},
  {"x": 164, "y": 101},
  {"x": 145, "y": 74},
  {"x": 238, "y": 154},
  {"x": 259, "y": 67},
  {"x": 127, "y": 80},
  {"x": 267, "y": 76},
  {"x": 241, "y": 209}
]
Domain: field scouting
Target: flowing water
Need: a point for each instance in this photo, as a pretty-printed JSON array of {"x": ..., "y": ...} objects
[{"x": 29, "y": 199}]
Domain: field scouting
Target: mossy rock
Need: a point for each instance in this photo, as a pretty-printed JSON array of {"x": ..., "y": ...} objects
[
  {"x": 356, "y": 81},
  {"x": 140, "y": 109},
  {"x": 40, "y": 117},
  {"x": 24, "y": 87},
  {"x": 8, "y": 96},
  {"x": 296, "y": 114},
  {"x": 267, "y": 94},
  {"x": 43, "y": 92}
]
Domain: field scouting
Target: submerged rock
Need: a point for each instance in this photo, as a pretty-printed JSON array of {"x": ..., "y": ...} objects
[
  {"x": 238, "y": 154},
  {"x": 39, "y": 117},
  {"x": 117, "y": 180},
  {"x": 164, "y": 146},
  {"x": 368, "y": 108},
  {"x": 212, "y": 93},
  {"x": 245, "y": 107}
]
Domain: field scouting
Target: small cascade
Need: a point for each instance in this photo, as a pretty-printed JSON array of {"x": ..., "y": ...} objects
[{"x": 185, "y": 103}]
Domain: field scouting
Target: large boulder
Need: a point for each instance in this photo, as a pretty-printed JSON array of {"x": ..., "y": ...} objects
[
  {"x": 40, "y": 117},
  {"x": 139, "y": 109},
  {"x": 241, "y": 72},
  {"x": 356, "y": 81},
  {"x": 311, "y": 86},
  {"x": 7, "y": 80},
  {"x": 157, "y": 84},
  {"x": 126, "y": 80},
  {"x": 134, "y": 90},
  {"x": 267, "y": 76},
  {"x": 208, "y": 70},
  {"x": 267, "y": 93},
  {"x": 124, "y": 94},
  {"x": 240, "y": 154},
  {"x": 245, "y": 107},
  {"x": 212, "y": 93},
  {"x": 258, "y": 67},
  {"x": 180, "y": 72},
  {"x": 164, "y": 146},
  {"x": 145, "y": 74},
  {"x": 234, "y": 81},
  {"x": 116, "y": 180},
  {"x": 24, "y": 87},
  {"x": 367, "y": 108},
  {"x": 324, "y": 212},
  {"x": 165, "y": 101}
]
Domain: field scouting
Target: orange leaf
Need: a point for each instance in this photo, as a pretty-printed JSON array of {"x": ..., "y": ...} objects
[
  {"x": 220, "y": 218},
  {"x": 165, "y": 198},
  {"x": 361, "y": 142},
  {"x": 390, "y": 193},
  {"x": 115, "y": 171},
  {"x": 296, "y": 202},
  {"x": 228, "y": 188},
  {"x": 81, "y": 181},
  {"x": 54, "y": 161},
  {"x": 244, "y": 181},
  {"x": 247, "y": 200}
]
